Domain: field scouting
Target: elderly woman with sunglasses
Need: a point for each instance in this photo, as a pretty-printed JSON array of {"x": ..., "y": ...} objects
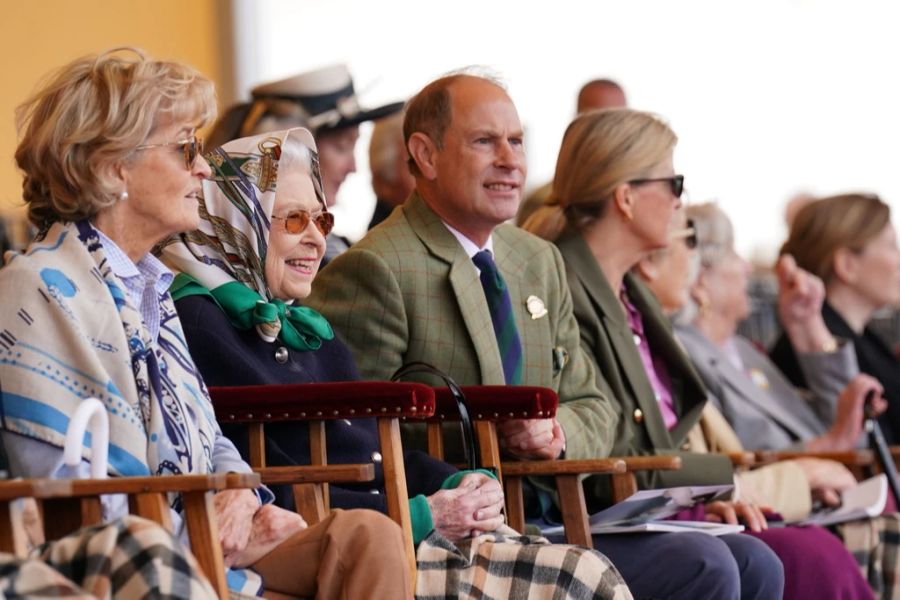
[
  {"x": 762, "y": 406},
  {"x": 615, "y": 200},
  {"x": 112, "y": 167},
  {"x": 243, "y": 276}
]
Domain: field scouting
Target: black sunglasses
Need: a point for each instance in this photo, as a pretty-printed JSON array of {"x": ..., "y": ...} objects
[
  {"x": 688, "y": 234},
  {"x": 676, "y": 182},
  {"x": 298, "y": 221},
  {"x": 190, "y": 147}
]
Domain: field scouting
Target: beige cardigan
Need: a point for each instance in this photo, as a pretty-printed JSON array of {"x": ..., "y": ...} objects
[{"x": 782, "y": 485}]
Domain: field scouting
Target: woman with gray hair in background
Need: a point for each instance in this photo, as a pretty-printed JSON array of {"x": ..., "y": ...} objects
[
  {"x": 113, "y": 166},
  {"x": 762, "y": 407}
]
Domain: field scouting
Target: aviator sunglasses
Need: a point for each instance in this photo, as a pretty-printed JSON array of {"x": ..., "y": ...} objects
[
  {"x": 298, "y": 221},
  {"x": 676, "y": 182},
  {"x": 190, "y": 147}
]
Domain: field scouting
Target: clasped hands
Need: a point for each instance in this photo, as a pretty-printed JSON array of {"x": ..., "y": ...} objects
[
  {"x": 474, "y": 506},
  {"x": 248, "y": 531},
  {"x": 534, "y": 439}
]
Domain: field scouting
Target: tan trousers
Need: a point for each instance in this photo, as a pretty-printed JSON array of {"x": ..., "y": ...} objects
[{"x": 346, "y": 556}]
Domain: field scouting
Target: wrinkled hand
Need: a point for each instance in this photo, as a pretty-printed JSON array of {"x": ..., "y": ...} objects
[
  {"x": 471, "y": 508},
  {"x": 826, "y": 478},
  {"x": 848, "y": 420},
  {"x": 234, "y": 513},
  {"x": 730, "y": 511},
  {"x": 541, "y": 439},
  {"x": 800, "y": 297},
  {"x": 271, "y": 526}
]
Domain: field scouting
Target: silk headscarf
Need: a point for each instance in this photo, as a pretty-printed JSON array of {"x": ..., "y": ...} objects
[{"x": 225, "y": 256}]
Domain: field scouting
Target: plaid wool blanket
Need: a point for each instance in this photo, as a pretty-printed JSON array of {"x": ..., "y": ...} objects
[
  {"x": 127, "y": 558},
  {"x": 504, "y": 564}
]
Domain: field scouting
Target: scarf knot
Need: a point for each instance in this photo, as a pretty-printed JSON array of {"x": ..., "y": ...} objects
[{"x": 299, "y": 327}]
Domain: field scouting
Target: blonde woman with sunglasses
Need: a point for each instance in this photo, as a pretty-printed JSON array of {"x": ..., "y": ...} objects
[
  {"x": 617, "y": 198},
  {"x": 113, "y": 166}
]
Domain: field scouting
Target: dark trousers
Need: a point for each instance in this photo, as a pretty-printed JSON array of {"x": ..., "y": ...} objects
[{"x": 694, "y": 566}]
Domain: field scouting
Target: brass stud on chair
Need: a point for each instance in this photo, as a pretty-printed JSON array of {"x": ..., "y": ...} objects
[{"x": 368, "y": 411}]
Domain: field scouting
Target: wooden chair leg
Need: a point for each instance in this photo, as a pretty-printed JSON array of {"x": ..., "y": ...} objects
[
  {"x": 153, "y": 506},
  {"x": 309, "y": 501},
  {"x": 395, "y": 485},
  {"x": 319, "y": 456},
  {"x": 435, "y": 440},
  {"x": 204, "y": 535},
  {"x": 515, "y": 503},
  {"x": 624, "y": 485},
  {"x": 571, "y": 504}
]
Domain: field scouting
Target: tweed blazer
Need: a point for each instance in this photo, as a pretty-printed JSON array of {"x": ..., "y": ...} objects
[
  {"x": 607, "y": 338},
  {"x": 759, "y": 402},
  {"x": 409, "y": 292}
]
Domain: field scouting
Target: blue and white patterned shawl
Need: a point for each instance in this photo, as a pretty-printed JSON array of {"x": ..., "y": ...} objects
[{"x": 70, "y": 332}]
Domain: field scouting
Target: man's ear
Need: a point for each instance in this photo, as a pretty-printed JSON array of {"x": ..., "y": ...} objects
[
  {"x": 623, "y": 199},
  {"x": 423, "y": 151},
  {"x": 845, "y": 265}
]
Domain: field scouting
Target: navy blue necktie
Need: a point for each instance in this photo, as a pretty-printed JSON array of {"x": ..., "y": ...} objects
[{"x": 500, "y": 306}]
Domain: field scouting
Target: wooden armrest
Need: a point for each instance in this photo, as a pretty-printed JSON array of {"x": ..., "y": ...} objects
[
  {"x": 850, "y": 458},
  {"x": 651, "y": 463},
  {"x": 521, "y": 468},
  {"x": 742, "y": 459},
  {"x": 76, "y": 488},
  {"x": 307, "y": 401},
  {"x": 317, "y": 474},
  {"x": 498, "y": 402}
]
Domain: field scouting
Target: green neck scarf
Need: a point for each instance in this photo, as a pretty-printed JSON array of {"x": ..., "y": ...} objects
[{"x": 299, "y": 327}]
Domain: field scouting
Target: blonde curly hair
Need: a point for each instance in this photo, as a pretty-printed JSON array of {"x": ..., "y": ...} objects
[{"x": 88, "y": 117}]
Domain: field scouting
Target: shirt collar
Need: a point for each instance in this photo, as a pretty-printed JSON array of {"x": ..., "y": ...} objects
[
  {"x": 468, "y": 245},
  {"x": 150, "y": 268}
]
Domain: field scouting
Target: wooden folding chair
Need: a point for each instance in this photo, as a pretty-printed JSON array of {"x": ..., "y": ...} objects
[
  {"x": 491, "y": 404},
  {"x": 314, "y": 403},
  {"x": 69, "y": 504}
]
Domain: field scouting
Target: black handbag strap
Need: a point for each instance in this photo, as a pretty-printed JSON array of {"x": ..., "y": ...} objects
[{"x": 470, "y": 442}]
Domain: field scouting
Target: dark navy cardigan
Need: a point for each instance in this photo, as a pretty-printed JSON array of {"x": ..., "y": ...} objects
[{"x": 226, "y": 356}]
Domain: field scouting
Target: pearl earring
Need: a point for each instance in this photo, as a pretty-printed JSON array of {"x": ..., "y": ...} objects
[{"x": 123, "y": 195}]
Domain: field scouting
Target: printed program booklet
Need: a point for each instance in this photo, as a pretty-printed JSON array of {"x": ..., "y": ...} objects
[
  {"x": 867, "y": 499},
  {"x": 647, "y": 510}
]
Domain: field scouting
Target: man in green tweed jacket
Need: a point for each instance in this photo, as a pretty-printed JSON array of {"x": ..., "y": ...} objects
[{"x": 409, "y": 290}]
